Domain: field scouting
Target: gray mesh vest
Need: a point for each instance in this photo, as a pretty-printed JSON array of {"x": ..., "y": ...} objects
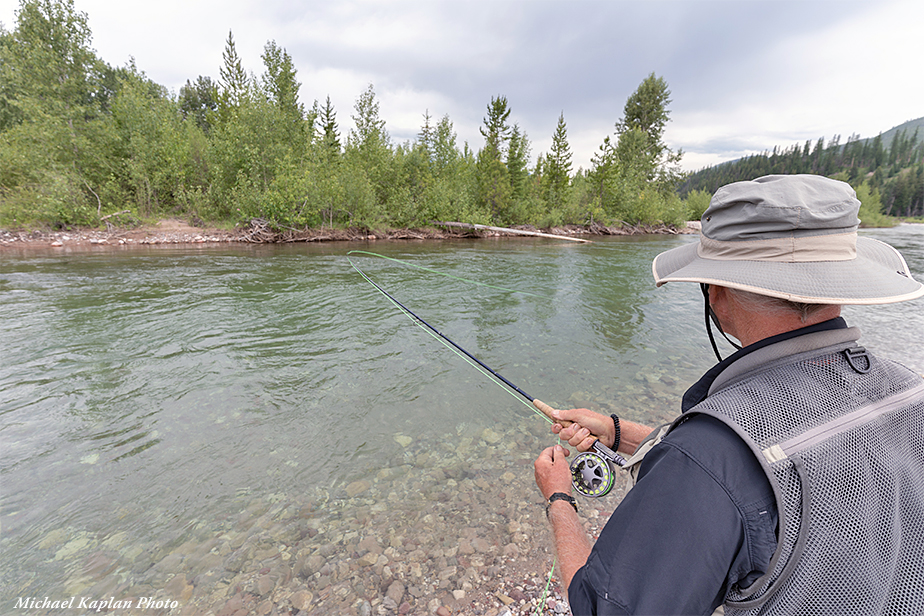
[{"x": 840, "y": 434}]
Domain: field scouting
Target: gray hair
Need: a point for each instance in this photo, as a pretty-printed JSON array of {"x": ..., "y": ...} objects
[{"x": 776, "y": 305}]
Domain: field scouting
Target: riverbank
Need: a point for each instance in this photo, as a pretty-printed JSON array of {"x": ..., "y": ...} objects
[{"x": 175, "y": 231}]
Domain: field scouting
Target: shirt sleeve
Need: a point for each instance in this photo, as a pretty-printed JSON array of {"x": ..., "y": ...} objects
[{"x": 684, "y": 533}]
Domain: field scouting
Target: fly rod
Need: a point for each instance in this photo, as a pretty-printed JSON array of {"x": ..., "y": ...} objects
[{"x": 591, "y": 471}]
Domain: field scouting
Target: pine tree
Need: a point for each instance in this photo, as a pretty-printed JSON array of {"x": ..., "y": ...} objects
[
  {"x": 330, "y": 136},
  {"x": 557, "y": 175},
  {"x": 234, "y": 81}
]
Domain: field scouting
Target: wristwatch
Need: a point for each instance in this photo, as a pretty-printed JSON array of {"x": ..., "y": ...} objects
[{"x": 560, "y": 496}]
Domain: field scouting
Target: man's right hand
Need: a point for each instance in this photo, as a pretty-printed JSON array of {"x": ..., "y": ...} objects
[{"x": 587, "y": 427}]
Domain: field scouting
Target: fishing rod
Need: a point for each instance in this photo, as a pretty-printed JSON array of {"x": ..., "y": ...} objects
[{"x": 592, "y": 471}]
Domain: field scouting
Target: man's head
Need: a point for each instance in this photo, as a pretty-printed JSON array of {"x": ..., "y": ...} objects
[
  {"x": 783, "y": 250},
  {"x": 792, "y": 237}
]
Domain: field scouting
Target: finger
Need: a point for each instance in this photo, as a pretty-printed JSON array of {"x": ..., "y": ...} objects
[
  {"x": 587, "y": 444},
  {"x": 546, "y": 456}
]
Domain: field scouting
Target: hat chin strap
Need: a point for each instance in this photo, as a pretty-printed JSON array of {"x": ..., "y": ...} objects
[{"x": 712, "y": 318}]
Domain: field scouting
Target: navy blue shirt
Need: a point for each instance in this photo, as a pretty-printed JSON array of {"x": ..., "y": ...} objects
[{"x": 701, "y": 518}]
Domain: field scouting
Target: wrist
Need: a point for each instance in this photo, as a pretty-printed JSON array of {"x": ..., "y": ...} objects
[{"x": 560, "y": 496}]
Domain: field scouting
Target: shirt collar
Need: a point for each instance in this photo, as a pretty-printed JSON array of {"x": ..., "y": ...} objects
[{"x": 698, "y": 392}]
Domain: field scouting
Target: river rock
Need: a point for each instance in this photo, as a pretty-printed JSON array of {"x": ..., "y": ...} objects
[
  {"x": 301, "y": 599},
  {"x": 358, "y": 487},
  {"x": 395, "y": 592},
  {"x": 265, "y": 585},
  {"x": 490, "y": 436}
]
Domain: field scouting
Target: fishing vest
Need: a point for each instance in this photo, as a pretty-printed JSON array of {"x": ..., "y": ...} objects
[{"x": 840, "y": 435}]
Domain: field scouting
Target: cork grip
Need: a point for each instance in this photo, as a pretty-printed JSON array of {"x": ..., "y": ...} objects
[{"x": 547, "y": 411}]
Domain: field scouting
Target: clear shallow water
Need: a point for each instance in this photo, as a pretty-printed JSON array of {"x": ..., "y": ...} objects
[{"x": 161, "y": 407}]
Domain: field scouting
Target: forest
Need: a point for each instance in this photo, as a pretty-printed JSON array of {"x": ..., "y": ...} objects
[
  {"x": 890, "y": 166},
  {"x": 83, "y": 143}
]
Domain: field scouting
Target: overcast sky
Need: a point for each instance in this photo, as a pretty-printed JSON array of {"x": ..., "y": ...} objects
[{"x": 744, "y": 75}]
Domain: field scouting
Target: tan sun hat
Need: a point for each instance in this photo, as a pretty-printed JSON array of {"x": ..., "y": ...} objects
[{"x": 792, "y": 237}]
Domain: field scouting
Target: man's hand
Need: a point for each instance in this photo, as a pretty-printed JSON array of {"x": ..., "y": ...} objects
[
  {"x": 553, "y": 473},
  {"x": 587, "y": 427}
]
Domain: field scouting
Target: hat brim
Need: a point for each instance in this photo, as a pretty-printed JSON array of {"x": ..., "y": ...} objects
[{"x": 878, "y": 275}]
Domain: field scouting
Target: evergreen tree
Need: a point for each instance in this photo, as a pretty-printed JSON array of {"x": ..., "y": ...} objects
[
  {"x": 234, "y": 81},
  {"x": 330, "y": 135},
  {"x": 493, "y": 181},
  {"x": 426, "y": 136},
  {"x": 517, "y": 162},
  {"x": 496, "y": 131},
  {"x": 557, "y": 176}
]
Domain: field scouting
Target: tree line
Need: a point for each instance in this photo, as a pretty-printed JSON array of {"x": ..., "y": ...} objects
[
  {"x": 82, "y": 142},
  {"x": 892, "y": 173}
]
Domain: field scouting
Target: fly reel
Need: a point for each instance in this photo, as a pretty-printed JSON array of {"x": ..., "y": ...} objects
[{"x": 593, "y": 472}]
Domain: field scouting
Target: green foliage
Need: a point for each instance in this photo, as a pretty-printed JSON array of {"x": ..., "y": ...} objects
[
  {"x": 235, "y": 85},
  {"x": 556, "y": 177},
  {"x": 633, "y": 181},
  {"x": 871, "y": 208},
  {"x": 80, "y": 140},
  {"x": 199, "y": 101},
  {"x": 696, "y": 203}
]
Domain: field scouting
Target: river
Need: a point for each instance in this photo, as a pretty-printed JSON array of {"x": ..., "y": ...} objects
[{"x": 221, "y": 428}]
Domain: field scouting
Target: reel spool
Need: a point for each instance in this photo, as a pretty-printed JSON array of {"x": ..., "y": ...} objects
[{"x": 592, "y": 475}]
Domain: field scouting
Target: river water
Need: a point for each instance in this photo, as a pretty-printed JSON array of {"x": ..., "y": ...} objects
[{"x": 256, "y": 429}]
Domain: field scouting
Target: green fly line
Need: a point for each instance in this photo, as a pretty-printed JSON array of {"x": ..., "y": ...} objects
[
  {"x": 492, "y": 376},
  {"x": 475, "y": 363},
  {"x": 438, "y": 273}
]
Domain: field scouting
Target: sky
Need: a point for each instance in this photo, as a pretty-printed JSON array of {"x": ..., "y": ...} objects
[{"x": 744, "y": 75}]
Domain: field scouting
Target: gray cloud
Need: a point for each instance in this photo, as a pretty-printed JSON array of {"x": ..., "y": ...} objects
[{"x": 745, "y": 75}]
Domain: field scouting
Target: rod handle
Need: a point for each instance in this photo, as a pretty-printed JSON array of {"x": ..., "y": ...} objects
[{"x": 547, "y": 411}]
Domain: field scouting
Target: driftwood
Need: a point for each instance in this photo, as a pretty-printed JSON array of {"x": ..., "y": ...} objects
[{"x": 468, "y": 225}]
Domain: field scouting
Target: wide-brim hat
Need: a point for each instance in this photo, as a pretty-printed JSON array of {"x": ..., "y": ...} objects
[{"x": 793, "y": 237}]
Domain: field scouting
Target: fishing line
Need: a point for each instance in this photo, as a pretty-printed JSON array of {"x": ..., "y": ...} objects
[
  {"x": 473, "y": 361},
  {"x": 437, "y": 272},
  {"x": 592, "y": 471}
]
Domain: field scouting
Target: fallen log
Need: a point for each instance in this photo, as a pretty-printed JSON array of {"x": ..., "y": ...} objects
[{"x": 469, "y": 225}]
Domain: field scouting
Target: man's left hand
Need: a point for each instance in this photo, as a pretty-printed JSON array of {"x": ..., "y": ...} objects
[{"x": 553, "y": 473}]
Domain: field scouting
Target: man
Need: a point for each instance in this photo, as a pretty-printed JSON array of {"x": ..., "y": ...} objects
[{"x": 793, "y": 480}]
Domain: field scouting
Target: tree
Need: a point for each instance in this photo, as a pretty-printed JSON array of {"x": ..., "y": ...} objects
[
  {"x": 369, "y": 133},
  {"x": 557, "y": 174},
  {"x": 493, "y": 181},
  {"x": 280, "y": 83},
  {"x": 330, "y": 135},
  {"x": 48, "y": 64},
  {"x": 198, "y": 101},
  {"x": 517, "y": 161},
  {"x": 444, "y": 151},
  {"x": 641, "y": 144},
  {"x": 54, "y": 99},
  {"x": 496, "y": 131},
  {"x": 234, "y": 81}
]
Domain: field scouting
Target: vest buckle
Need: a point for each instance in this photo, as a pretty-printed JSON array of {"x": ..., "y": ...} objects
[{"x": 855, "y": 356}]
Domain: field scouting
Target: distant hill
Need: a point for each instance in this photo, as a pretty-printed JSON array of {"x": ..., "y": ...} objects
[
  {"x": 908, "y": 127},
  {"x": 892, "y": 163}
]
